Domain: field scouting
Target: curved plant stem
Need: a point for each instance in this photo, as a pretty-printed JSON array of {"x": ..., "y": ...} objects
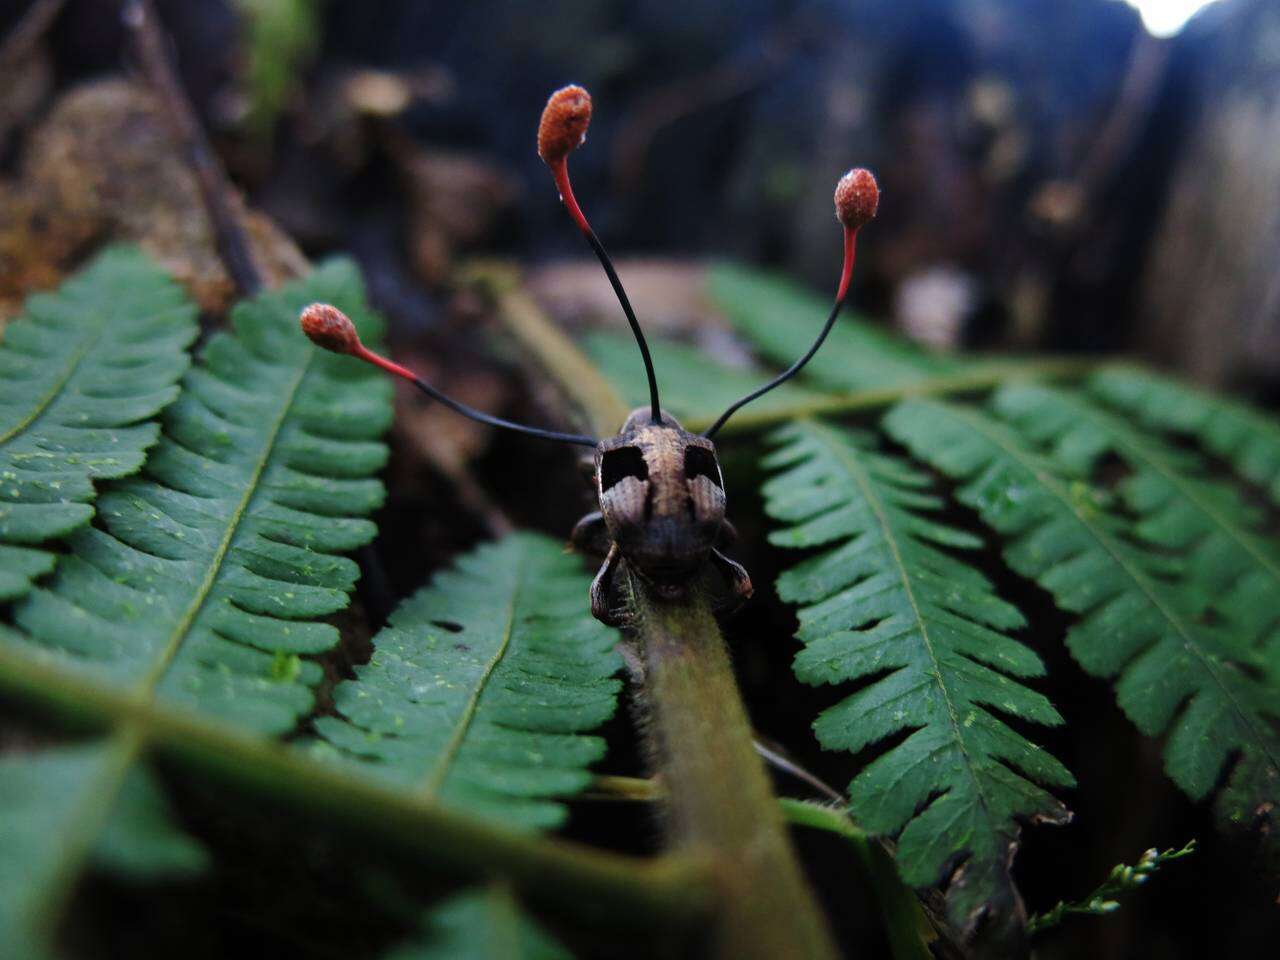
[
  {"x": 718, "y": 798},
  {"x": 574, "y": 882}
]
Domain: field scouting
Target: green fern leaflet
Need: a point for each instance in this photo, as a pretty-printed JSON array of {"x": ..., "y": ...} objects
[
  {"x": 882, "y": 601},
  {"x": 1139, "y": 622},
  {"x": 203, "y": 581},
  {"x": 1179, "y": 507},
  {"x": 480, "y": 688},
  {"x": 480, "y": 925},
  {"x": 1246, "y": 438},
  {"x": 80, "y": 374},
  {"x": 213, "y": 567}
]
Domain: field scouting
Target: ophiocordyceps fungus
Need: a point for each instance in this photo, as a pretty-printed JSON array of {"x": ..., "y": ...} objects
[
  {"x": 660, "y": 487},
  {"x": 857, "y": 197},
  {"x": 328, "y": 327},
  {"x": 562, "y": 130}
]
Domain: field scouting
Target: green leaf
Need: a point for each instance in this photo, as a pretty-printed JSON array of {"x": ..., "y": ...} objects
[
  {"x": 140, "y": 841},
  {"x": 881, "y": 601},
  {"x": 782, "y": 318},
  {"x": 221, "y": 556},
  {"x": 215, "y": 563},
  {"x": 1138, "y": 622},
  {"x": 694, "y": 386},
  {"x": 479, "y": 689},
  {"x": 1179, "y": 507},
  {"x": 53, "y": 807},
  {"x": 1246, "y": 438},
  {"x": 81, "y": 371},
  {"x": 480, "y": 925}
]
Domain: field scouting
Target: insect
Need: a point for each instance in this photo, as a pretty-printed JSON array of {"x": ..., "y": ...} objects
[{"x": 660, "y": 489}]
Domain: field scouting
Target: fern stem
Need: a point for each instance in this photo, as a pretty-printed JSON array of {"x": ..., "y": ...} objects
[
  {"x": 574, "y": 373},
  {"x": 719, "y": 799},
  {"x": 566, "y": 879},
  {"x": 905, "y": 922}
]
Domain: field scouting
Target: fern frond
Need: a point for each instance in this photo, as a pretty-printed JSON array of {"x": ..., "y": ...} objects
[
  {"x": 206, "y": 576},
  {"x": 1179, "y": 507},
  {"x": 781, "y": 319},
  {"x": 484, "y": 924},
  {"x": 694, "y": 386},
  {"x": 1246, "y": 438},
  {"x": 80, "y": 372},
  {"x": 480, "y": 688},
  {"x": 53, "y": 817},
  {"x": 1138, "y": 622},
  {"x": 883, "y": 602}
]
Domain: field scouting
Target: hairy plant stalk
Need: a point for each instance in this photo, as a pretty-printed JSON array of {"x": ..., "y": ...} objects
[{"x": 718, "y": 798}]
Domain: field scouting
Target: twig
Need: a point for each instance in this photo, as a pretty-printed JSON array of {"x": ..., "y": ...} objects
[{"x": 151, "y": 46}]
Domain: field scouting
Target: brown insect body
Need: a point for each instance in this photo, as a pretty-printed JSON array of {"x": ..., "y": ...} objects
[{"x": 662, "y": 509}]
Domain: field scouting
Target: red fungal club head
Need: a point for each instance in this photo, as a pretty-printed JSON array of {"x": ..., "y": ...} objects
[
  {"x": 857, "y": 197},
  {"x": 564, "y": 123},
  {"x": 330, "y": 328}
]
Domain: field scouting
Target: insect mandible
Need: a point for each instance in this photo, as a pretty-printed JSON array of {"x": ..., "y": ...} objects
[{"x": 660, "y": 490}]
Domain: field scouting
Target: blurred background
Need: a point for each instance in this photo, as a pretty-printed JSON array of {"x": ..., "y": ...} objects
[{"x": 1056, "y": 175}]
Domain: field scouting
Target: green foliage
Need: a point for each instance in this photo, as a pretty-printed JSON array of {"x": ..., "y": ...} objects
[
  {"x": 881, "y": 601},
  {"x": 782, "y": 318},
  {"x": 480, "y": 688},
  {"x": 1246, "y": 438},
  {"x": 220, "y": 558},
  {"x": 55, "y": 801},
  {"x": 202, "y": 573},
  {"x": 281, "y": 38},
  {"x": 81, "y": 374},
  {"x": 1179, "y": 508},
  {"x": 694, "y": 386},
  {"x": 1121, "y": 879},
  {"x": 480, "y": 925},
  {"x": 1176, "y": 672}
]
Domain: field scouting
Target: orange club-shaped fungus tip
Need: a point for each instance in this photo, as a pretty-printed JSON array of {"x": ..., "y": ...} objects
[
  {"x": 328, "y": 327},
  {"x": 857, "y": 197},
  {"x": 564, "y": 123}
]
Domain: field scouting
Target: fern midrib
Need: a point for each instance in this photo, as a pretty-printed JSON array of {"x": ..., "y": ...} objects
[
  {"x": 858, "y": 474},
  {"x": 146, "y": 687},
  {"x": 47, "y": 400},
  {"x": 1139, "y": 579},
  {"x": 440, "y": 770}
]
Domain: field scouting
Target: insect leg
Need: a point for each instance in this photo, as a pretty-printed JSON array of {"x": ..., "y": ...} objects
[
  {"x": 737, "y": 576},
  {"x": 600, "y": 589},
  {"x": 590, "y": 535}
]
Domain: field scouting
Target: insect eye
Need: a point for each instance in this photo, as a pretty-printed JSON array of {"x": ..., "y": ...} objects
[
  {"x": 701, "y": 462},
  {"x": 622, "y": 462}
]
